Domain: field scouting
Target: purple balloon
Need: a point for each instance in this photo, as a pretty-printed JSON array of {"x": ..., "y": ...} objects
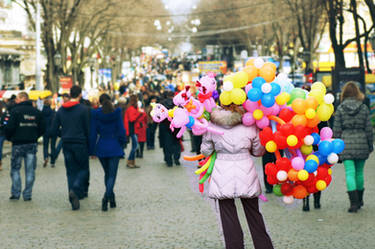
[
  {"x": 298, "y": 163},
  {"x": 263, "y": 123},
  {"x": 326, "y": 133},
  {"x": 248, "y": 119}
]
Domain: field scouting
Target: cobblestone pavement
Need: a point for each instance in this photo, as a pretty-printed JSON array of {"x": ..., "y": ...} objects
[{"x": 160, "y": 207}]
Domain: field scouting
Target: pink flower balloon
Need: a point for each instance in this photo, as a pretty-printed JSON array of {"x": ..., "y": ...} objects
[
  {"x": 248, "y": 119},
  {"x": 250, "y": 106},
  {"x": 263, "y": 123}
]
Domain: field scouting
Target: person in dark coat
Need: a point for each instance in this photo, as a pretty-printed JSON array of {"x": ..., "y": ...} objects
[
  {"x": 48, "y": 116},
  {"x": 23, "y": 129},
  {"x": 73, "y": 118},
  {"x": 352, "y": 124},
  {"x": 168, "y": 141},
  {"x": 107, "y": 140}
]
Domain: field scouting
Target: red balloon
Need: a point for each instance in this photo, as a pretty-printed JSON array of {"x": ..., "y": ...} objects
[
  {"x": 312, "y": 188},
  {"x": 322, "y": 173},
  {"x": 286, "y": 129},
  {"x": 280, "y": 140},
  {"x": 287, "y": 189},
  {"x": 265, "y": 135},
  {"x": 271, "y": 180},
  {"x": 283, "y": 164},
  {"x": 328, "y": 179},
  {"x": 286, "y": 114},
  {"x": 270, "y": 169}
]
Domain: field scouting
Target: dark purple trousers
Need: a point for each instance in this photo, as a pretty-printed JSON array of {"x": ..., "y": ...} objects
[{"x": 233, "y": 234}]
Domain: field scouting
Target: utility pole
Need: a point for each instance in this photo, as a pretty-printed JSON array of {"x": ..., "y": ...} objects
[{"x": 38, "y": 71}]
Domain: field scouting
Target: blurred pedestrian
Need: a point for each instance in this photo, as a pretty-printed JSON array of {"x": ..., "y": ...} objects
[
  {"x": 234, "y": 176},
  {"x": 352, "y": 124},
  {"x": 132, "y": 114},
  {"x": 107, "y": 140},
  {"x": 151, "y": 125},
  {"x": 48, "y": 139},
  {"x": 24, "y": 128},
  {"x": 73, "y": 118},
  {"x": 141, "y": 131}
]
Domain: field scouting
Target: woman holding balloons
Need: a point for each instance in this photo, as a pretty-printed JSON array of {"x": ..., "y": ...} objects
[{"x": 352, "y": 124}]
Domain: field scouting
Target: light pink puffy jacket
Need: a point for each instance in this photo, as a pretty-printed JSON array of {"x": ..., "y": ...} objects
[{"x": 234, "y": 174}]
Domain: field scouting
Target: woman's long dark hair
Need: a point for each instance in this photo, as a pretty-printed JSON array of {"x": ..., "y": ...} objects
[{"x": 105, "y": 101}]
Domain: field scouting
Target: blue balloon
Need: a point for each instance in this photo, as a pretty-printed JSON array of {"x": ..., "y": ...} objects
[
  {"x": 316, "y": 138},
  {"x": 267, "y": 100},
  {"x": 311, "y": 166},
  {"x": 325, "y": 148},
  {"x": 258, "y": 82},
  {"x": 254, "y": 94},
  {"x": 276, "y": 89},
  {"x": 338, "y": 146},
  {"x": 322, "y": 159}
]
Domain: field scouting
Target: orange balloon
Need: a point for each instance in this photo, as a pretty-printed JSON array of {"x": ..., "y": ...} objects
[
  {"x": 292, "y": 175},
  {"x": 270, "y": 64},
  {"x": 250, "y": 62},
  {"x": 299, "y": 192},
  {"x": 311, "y": 123},
  {"x": 251, "y": 71},
  {"x": 311, "y": 102},
  {"x": 299, "y": 119},
  {"x": 267, "y": 73},
  {"x": 299, "y": 106}
]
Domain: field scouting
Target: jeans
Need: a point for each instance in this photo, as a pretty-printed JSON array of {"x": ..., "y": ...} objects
[
  {"x": 110, "y": 166},
  {"x": 134, "y": 146},
  {"x": 151, "y": 129},
  {"x": 57, "y": 152},
  {"x": 27, "y": 152},
  {"x": 2, "y": 139},
  {"x": 76, "y": 157},
  {"x": 354, "y": 174},
  {"x": 46, "y": 142}
]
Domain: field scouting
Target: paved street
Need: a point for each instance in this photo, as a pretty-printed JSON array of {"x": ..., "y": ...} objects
[{"x": 160, "y": 207}]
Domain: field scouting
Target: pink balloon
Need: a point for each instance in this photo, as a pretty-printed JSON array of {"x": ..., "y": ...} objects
[
  {"x": 248, "y": 119},
  {"x": 326, "y": 133},
  {"x": 263, "y": 123},
  {"x": 275, "y": 109},
  {"x": 250, "y": 106},
  {"x": 248, "y": 87},
  {"x": 266, "y": 110},
  {"x": 298, "y": 163}
]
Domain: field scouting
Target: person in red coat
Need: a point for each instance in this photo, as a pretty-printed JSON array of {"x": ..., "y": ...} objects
[
  {"x": 131, "y": 117},
  {"x": 141, "y": 131}
]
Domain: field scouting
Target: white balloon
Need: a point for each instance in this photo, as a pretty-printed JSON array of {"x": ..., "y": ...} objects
[
  {"x": 282, "y": 76},
  {"x": 282, "y": 175},
  {"x": 329, "y": 98},
  {"x": 266, "y": 88},
  {"x": 308, "y": 140},
  {"x": 227, "y": 86},
  {"x": 333, "y": 158},
  {"x": 258, "y": 62},
  {"x": 288, "y": 199}
]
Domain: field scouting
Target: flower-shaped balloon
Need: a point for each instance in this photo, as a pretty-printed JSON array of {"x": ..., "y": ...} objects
[{"x": 258, "y": 114}]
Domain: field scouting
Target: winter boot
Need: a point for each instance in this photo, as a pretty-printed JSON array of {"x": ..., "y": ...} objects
[
  {"x": 317, "y": 200},
  {"x": 306, "y": 206},
  {"x": 354, "y": 204},
  {"x": 360, "y": 198},
  {"x": 112, "y": 201}
]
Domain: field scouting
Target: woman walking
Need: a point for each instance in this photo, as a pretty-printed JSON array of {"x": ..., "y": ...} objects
[
  {"x": 107, "y": 140},
  {"x": 141, "y": 131},
  {"x": 234, "y": 175},
  {"x": 132, "y": 115},
  {"x": 352, "y": 124}
]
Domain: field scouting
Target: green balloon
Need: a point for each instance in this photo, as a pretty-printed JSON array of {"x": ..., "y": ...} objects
[
  {"x": 297, "y": 93},
  {"x": 207, "y": 115},
  {"x": 277, "y": 190}
]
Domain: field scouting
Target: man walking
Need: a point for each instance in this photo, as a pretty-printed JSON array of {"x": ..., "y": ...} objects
[
  {"x": 73, "y": 118},
  {"x": 24, "y": 128}
]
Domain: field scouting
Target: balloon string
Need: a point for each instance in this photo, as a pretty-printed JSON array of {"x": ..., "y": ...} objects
[
  {"x": 293, "y": 152},
  {"x": 273, "y": 125},
  {"x": 287, "y": 153},
  {"x": 276, "y": 119}
]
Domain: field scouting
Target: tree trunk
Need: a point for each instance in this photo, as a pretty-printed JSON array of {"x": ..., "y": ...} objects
[{"x": 357, "y": 33}]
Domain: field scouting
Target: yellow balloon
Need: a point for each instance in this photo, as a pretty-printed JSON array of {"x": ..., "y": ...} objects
[
  {"x": 225, "y": 98},
  {"x": 321, "y": 185},
  {"x": 319, "y": 86},
  {"x": 292, "y": 140},
  {"x": 310, "y": 113},
  {"x": 329, "y": 171},
  {"x": 302, "y": 175},
  {"x": 318, "y": 95},
  {"x": 238, "y": 96},
  {"x": 282, "y": 98},
  {"x": 240, "y": 79},
  {"x": 271, "y": 146},
  {"x": 258, "y": 114},
  {"x": 324, "y": 112},
  {"x": 306, "y": 149},
  {"x": 313, "y": 157}
]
